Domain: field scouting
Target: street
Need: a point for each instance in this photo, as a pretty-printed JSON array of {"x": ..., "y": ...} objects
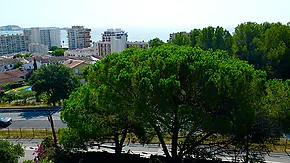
[
  {"x": 145, "y": 151},
  {"x": 33, "y": 119}
]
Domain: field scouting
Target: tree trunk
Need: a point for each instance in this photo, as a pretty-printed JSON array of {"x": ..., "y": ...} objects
[
  {"x": 118, "y": 149},
  {"x": 160, "y": 138},
  {"x": 52, "y": 128},
  {"x": 247, "y": 149},
  {"x": 174, "y": 140}
]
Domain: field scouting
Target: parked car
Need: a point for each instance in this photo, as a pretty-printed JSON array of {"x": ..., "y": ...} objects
[{"x": 5, "y": 121}]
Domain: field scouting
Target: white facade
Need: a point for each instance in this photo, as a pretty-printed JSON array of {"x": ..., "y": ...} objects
[
  {"x": 35, "y": 35},
  {"x": 37, "y": 47},
  {"x": 79, "y": 37},
  {"x": 50, "y": 37},
  {"x": 47, "y": 36},
  {"x": 116, "y": 41},
  {"x": 29, "y": 65},
  {"x": 12, "y": 44},
  {"x": 85, "y": 52}
]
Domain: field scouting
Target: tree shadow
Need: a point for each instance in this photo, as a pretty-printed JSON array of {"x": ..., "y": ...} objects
[{"x": 30, "y": 115}]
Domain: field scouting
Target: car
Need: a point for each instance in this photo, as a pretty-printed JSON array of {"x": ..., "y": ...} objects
[{"x": 5, "y": 121}]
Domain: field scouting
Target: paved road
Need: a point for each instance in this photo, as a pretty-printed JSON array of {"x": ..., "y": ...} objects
[
  {"x": 145, "y": 151},
  {"x": 37, "y": 119}
]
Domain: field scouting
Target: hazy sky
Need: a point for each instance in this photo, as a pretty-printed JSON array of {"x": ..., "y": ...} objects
[{"x": 141, "y": 13}]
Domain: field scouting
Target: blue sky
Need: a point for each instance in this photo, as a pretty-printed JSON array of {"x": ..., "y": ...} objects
[{"x": 142, "y": 13}]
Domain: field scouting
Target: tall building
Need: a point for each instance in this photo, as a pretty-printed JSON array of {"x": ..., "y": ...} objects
[
  {"x": 12, "y": 44},
  {"x": 79, "y": 37},
  {"x": 46, "y": 36},
  {"x": 50, "y": 37},
  {"x": 116, "y": 40},
  {"x": 35, "y": 35}
]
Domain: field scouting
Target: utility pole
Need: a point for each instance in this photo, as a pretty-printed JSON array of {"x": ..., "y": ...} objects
[{"x": 52, "y": 127}]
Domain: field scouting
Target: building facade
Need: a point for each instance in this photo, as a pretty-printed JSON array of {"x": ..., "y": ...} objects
[
  {"x": 50, "y": 37},
  {"x": 85, "y": 52},
  {"x": 12, "y": 44},
  {"x": 79, "y": 37},
  {"x": 47, "y": 36},
  {"x": 37, "y": 47},
  {"x": 115, "y": 40}
]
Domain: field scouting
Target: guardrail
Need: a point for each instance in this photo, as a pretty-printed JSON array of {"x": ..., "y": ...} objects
[
  {"x": 52, "y": 109},
  {"x": 25, "y": 133}
]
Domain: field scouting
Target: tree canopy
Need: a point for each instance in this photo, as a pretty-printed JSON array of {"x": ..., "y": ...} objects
[
  {"x": 173, "y": 90},
  {"x": 10, "y": 153},
  {"x": 55, "y": 80},
  {"x": 155, "y": 42}
]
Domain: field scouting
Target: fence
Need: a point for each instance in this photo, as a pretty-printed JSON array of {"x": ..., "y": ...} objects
[{"x": 8, "y": 133}]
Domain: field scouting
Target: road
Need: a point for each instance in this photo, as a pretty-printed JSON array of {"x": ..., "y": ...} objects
[
  {"x": 33, "y": 119},
  {"x": 145, "y": 151}
]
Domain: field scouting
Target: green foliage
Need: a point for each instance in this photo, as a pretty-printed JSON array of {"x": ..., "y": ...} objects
[
  {"x": 10, "y": 153},
  {"x": 22, "y": 55},
  {"x": 264, "y": 45},
  {"x": 155, "y": 42},
  {"x": 53, "y": 48},
  {"x": 56, "y": 81},
  {"x": 178, "y": 88},
  {"x": 58, "y": 52},
  {"x": 24, "y": 95},
  {"x": 181, "y": 39},
  {"x": 28, "y": 161},
  {"x": 18, "y": 64},
  {"x": 46, "y": 152}
]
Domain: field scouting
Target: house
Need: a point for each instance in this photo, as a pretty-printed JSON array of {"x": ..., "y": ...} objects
[
  {"x": 7, "y": 64},
  {"x": 40, "y": 61},
  {"x": 77, "y": 66},
  {"x": 12, "y": 77}
]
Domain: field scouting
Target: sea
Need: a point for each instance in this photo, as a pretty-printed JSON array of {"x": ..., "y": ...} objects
[{"x": 134, "y": 34}]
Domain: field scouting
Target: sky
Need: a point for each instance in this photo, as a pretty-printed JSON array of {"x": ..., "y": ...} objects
[{"x": 141, "y": 13}]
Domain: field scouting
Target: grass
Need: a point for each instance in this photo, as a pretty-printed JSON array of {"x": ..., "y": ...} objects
[{"x": 26, "y": 133}]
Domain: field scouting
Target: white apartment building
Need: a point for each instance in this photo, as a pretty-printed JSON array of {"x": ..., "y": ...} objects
[
  {"x": 37, "y": 47},
  {"x": 79, "y": 37},
  {"x": 85, "y": 52},
  {"x": 12, "y": 44},
  {"x": 48, "y": 36},
  {"x": 116, "y": 40}
]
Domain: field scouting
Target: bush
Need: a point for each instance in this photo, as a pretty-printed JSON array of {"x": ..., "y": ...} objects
[
  {"x": 9, "y": 152},
  {"x": 45, "y": 151}
]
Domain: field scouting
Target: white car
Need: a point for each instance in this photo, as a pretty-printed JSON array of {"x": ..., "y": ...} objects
[{"x": 5, "y": 121}]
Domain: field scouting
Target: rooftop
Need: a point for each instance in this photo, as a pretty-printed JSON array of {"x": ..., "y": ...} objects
[
  {"x": 71, "y": 63},
  {"x": 12, "y": 76}
]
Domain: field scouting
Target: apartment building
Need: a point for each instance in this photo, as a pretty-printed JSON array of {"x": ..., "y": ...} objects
[
  {"x": 138, "y": 44},
  {"x": 48, "y": 36},
  {"x": 85, "y": 52},
  {"x": 12, "y": 44},
  {"x": 79, "y": 37},
  {"x": 37, "y": 47},
  {"x": 115, "y": 40}
]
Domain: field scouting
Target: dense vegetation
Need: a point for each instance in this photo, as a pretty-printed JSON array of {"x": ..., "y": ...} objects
[
  {"x": 55, "y": 81},
  {"x": 192, "y": 95},
  {"x": 10, "y": 153},
  {"x": 211, "y": 94},
  {"x": 265, "y": 45}
]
